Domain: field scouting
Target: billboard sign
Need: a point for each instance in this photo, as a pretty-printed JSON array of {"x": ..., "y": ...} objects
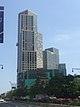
[{"x": 1, "y": 23}]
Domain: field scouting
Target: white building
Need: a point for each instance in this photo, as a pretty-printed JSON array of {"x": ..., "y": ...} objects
[{"x": 29, "y": 44}]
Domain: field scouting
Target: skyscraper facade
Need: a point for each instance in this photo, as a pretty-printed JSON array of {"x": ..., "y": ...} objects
[
  {"x": 62, "y": 69},
  {"x": 30, "y": 46},
  {"x": 51, "y": 58}
]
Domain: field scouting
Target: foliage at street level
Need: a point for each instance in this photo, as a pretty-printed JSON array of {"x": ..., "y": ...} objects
[
  {"x": 17, "y": 93},
  {"x": 64, "y": 87},
  {"x": 37, "y": 88},
  {"x": 59, "y": 86}
]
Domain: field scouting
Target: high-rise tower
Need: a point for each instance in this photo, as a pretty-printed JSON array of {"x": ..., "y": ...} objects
[
  {"x": 29, "y": 43},
  {"x": 51, "y": 58}
]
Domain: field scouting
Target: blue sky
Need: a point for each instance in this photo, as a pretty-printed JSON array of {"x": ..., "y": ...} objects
[{"x": 58, "y": 21}]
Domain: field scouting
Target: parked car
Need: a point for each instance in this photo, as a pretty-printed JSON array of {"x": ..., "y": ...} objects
[{"x": 2, "y": 100}]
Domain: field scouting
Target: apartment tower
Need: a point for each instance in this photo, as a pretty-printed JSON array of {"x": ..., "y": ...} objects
[{"x": 29, "y": 44}]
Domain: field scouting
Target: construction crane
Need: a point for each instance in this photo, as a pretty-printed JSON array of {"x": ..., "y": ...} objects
[{"x": 13, "y": 85}]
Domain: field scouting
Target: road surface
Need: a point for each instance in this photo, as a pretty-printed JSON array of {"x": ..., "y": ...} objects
[{"x": 15, "y": 104}]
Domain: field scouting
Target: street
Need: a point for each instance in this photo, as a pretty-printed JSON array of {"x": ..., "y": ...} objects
[{"x": 15, "y": 104}]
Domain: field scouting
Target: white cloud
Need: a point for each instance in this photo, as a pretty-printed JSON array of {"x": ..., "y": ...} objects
[{"x": 62, "y": 37}]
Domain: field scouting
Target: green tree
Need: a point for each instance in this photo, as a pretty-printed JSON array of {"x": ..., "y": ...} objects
[
  {"x": 10, "y": 94},
  {"x": 37, "y": 88},
  {"x": 59, "y": 86}
]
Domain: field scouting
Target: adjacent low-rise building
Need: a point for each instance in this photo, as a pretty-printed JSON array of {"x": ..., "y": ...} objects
[
  {"x": 62, "y": 69},
  {"x": 51, "y": 58}
]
